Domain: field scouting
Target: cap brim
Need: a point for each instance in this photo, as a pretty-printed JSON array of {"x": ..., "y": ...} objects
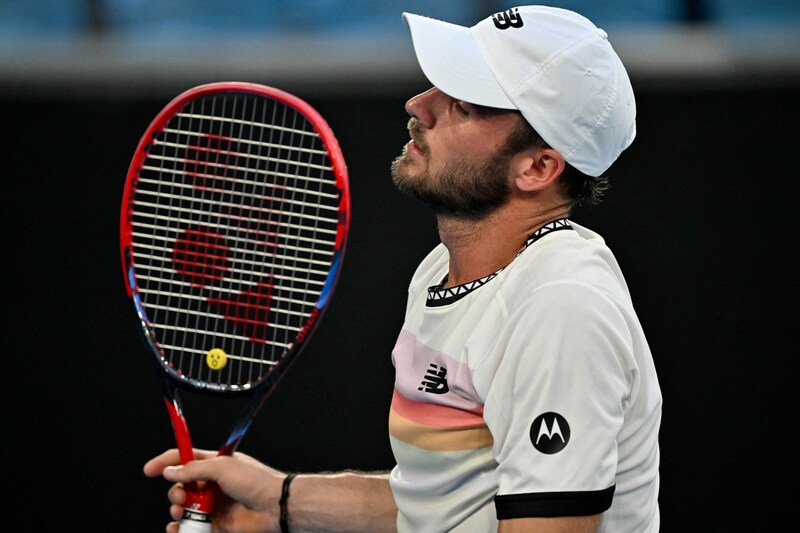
[{"x": 452, "y": 62}]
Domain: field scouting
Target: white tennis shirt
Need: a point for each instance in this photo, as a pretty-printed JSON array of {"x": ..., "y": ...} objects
[{"x": 529, "y": 393}]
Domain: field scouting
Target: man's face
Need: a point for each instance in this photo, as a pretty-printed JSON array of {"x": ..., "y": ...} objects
[{"x": 455, "y": 161}]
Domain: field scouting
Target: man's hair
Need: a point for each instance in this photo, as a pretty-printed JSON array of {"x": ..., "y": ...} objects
[{"x": 578, "y": 187}]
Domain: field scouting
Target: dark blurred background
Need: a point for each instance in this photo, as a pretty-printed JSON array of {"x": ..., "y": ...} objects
[{"x": 700, "y": 215}]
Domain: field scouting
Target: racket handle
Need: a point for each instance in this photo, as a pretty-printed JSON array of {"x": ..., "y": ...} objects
[
  {"x": 198, "y": 507},
  {"x": 194, "y": 526}
]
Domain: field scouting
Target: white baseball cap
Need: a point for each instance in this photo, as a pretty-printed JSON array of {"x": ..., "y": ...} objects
[{"x": 553, "y": 65}]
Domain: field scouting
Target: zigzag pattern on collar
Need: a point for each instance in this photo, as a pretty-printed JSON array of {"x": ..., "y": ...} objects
[
  {"x": 561, "y": 223},
  {"x": 437, "y": 295}
]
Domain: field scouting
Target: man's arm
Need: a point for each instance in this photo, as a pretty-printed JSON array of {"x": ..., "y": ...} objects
[
  {"x": 251, "y": 490},
  {"x": 347, "y": 501},
  {"x": 567, "y": 524}
]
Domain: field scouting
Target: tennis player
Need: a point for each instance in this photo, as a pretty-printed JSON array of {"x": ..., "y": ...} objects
[{"x": 526, "y": 397}]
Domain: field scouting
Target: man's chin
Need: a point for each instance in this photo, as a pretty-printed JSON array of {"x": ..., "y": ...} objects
[{"x": 404, "y": 169}]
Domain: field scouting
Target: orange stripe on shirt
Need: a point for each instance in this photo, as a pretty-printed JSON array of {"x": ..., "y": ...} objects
[
  {"x": 438, "y": 438},
  {"x": 436, "y": 415}
]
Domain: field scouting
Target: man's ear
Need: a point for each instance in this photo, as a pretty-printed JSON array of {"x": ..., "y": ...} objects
[{"x": 537, "y": 168}]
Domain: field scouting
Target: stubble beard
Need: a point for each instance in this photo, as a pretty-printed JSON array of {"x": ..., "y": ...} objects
[{"x": 462, "y": 190}]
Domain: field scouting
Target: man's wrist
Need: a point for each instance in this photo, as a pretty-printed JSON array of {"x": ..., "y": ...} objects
[{"x": 284, "y": 503}]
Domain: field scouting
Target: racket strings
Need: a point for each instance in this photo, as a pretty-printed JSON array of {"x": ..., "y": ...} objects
[{"x": 234, "y": 229}]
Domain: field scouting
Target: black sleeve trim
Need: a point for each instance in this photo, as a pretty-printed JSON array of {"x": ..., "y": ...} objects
[{"x": 547, "y": 504}]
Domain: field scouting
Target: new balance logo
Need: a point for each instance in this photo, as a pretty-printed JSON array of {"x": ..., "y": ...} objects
[
  {"x": 507, "y": 19},
  {"x": 550, "y": 433},
  {"x": 435, "y": 380}
]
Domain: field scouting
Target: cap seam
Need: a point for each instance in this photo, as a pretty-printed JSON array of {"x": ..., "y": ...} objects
[
  {"x": 601, "y": 118},
  {"x": 548, "y": 63}
]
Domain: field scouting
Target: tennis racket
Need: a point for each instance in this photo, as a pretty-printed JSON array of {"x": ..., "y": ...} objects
[{"x": 233, "y": 227}]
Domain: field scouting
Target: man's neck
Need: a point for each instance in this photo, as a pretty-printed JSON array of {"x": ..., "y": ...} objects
[{"x": 479, "y": 247}]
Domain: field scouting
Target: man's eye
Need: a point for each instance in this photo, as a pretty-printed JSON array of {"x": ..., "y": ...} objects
[{"x": 460, "y": 109}]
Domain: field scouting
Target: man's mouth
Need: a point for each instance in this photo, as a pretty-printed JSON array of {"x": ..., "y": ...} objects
[
  {"x": 414, "y": 146},
  {"x": 417, "y": 143}
]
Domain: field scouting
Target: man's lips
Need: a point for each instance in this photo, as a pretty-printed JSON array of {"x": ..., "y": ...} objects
[{"x": 412, "y": 146}]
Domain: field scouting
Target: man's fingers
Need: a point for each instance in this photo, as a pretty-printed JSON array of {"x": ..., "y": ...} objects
[
  {"x": 199, "y": 470},
  {"x": 156, "y": 465}
]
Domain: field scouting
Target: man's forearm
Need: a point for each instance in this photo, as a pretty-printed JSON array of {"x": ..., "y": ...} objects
[{"x": 350, "y": 501}]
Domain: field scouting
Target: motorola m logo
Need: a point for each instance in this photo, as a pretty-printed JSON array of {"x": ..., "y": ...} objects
[
  {"x": 435, "y": 380},
  {"x": 550, "y": 433},
  {"x": 507, "y": 19}
]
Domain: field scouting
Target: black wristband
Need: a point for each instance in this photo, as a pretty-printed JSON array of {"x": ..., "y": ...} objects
[{"x": 284, "y": 501}]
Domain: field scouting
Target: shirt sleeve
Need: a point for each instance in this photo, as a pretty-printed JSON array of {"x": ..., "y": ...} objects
[{"x": 562, "y": 375}]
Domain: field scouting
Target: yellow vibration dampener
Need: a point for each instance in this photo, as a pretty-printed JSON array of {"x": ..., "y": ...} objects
[{"x": 216, "y": 359}]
